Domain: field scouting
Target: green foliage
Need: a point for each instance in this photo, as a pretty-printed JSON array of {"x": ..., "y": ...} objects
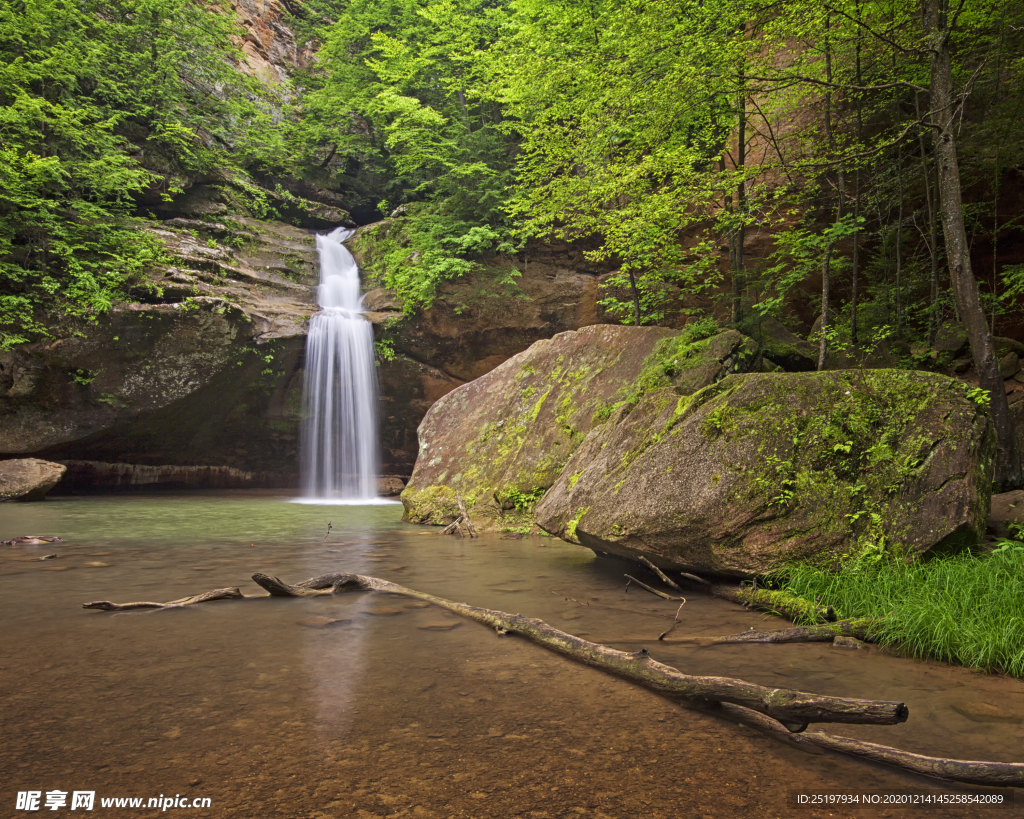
[
  {"x": 519, "y": 500},
  {"x": 403, "y": 88},
  {"x": 385, "y": 349},
  {"x": 980, "y": 396},
  {"x": 623, "y": 119},
  {"x": 99, "y": 103},
  {"x": 961, "y": 609}
]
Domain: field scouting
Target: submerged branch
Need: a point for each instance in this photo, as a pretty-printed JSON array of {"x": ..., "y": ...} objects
[
  {"x": 972, "y": 772},
  {"x": 862, "y": 628},
  {"x": 217, "y": 594},
  {"x": 778, "y": 712}
]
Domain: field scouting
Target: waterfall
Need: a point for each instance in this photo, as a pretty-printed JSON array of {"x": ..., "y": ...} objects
[{"x": 339, "y": 432}]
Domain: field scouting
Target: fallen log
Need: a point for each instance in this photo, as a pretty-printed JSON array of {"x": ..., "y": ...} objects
[
  {"x": 780, "y": 713},
  {"x": 862, "y": 628},
  {"x": 795, "y": 709},
  {"x": 972, "y": 772}
]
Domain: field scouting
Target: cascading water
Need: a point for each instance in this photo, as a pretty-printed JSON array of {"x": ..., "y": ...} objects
[{"x": 339, "y": 433}]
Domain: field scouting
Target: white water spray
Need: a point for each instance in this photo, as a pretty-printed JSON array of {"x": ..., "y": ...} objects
[{"x": 339, "y": 433}]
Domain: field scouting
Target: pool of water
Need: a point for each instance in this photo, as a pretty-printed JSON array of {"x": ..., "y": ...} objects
[{"x": 370, "y": 706}]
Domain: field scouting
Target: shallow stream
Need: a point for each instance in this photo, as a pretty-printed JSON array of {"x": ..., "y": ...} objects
[{"x": 398, "y": 709}]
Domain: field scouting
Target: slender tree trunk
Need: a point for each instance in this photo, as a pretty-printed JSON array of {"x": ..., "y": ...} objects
[
  {"x": 856, "y": 192},
  {"x": 739, "y": 234},
  {"x": 899, "y": 249},
  {"x": 965, "y": 286},
  {"x": 826, "y": 275},
  {"x": 933, "y": 236},
  {"x": 636, "y": 299},
  {"x": 826, "y": 286}
]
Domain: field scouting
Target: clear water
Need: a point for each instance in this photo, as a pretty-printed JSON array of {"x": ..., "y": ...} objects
[
  {"x": 340, "y": 458},
  {"x": 397, "y": 709}
]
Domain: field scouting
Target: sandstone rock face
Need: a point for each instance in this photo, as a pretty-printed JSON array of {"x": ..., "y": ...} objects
[
  {"x": 203, "y": 370},
  {"x": 269, "y": 45},
  {"x": 28, "y": 479},
  {"x": 502, "y": 440},
  {"x": 483, "y": 318},
  {"x": 475, "y": 324},
  {"x": 760, "y": 469}
]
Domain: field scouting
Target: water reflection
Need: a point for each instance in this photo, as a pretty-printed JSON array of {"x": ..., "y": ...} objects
[{"x": 362, "y": 705}]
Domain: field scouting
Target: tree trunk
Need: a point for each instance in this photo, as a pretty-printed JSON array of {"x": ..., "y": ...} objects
[
  {"x": 826, "y": 285},
  {"x": 636, "y": 299},
  {"x": 738, "y": 235},
  {"x": 933, "y": 236},
  {"x": 965, "y": 287}
]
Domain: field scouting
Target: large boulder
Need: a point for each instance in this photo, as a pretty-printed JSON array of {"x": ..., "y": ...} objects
[
  {"x": 502, "y": 440},
  {"x": 28, "y": 479},
  {"x": 780, "y": 345},
  {"x": 761, "y": 469}
]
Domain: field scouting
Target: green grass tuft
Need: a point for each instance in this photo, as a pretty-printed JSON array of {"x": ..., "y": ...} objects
[{"x": 959, "y": 609}]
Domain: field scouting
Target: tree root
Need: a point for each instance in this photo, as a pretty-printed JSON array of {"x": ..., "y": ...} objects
[{"x": 780, "y": 713}]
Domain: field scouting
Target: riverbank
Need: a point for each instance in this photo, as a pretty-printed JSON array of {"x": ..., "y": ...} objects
[{"x": 965, "y": 609}]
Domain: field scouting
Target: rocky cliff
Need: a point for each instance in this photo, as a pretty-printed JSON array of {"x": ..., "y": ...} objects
[{"x": 204, "y": 368}]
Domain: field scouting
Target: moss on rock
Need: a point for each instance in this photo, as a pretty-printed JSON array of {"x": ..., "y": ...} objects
[{"x": 759, "y": 469}]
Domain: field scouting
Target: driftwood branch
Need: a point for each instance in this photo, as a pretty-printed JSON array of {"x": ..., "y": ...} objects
[
  {"x": 675, "y": 622},
  {"x": 465, "y": 515},
  {"x": 863, "y": 628},
  {"x": 463, "y": 518},
  {"x": 993, "y": 774},
  {"x": 664, "y": 577},
  {"x": 453, "y": 527},
  {"x": 651, "y": 589},
  {"x": 793, "y": 708},
  {"x": 217, "y": 594},
  {"x": 780, "y": 713}
]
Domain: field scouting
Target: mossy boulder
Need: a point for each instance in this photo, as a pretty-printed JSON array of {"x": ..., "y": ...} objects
[
  {"x": 761, "y": 469},
  {"x": 502, "y": 440},
  {"x": 780, "y": 345}
]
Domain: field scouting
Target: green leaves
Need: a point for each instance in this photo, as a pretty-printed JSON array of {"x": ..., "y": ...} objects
[{"x": 100, "y": 102}]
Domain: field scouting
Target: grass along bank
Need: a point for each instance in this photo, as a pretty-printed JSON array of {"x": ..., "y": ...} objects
[{"x": 961, "y": 608}]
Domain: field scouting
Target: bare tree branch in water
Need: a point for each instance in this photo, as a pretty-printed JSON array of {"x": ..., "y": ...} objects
[{"x": 781, "y": 713}]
